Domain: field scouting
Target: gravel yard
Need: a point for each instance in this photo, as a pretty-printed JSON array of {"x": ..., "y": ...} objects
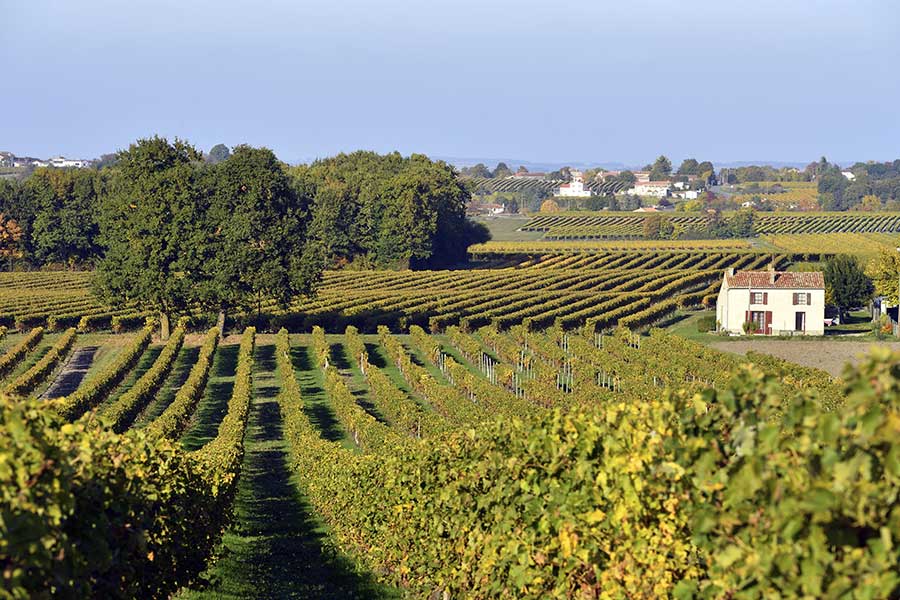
[{"x": 828, "y": 355}]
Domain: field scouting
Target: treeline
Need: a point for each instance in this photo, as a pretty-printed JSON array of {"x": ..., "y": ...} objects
[
  {"x": 170, "y": 230},
  {"x": 873, "y": 186},
  {"x": 367, "y": 209},
  {"x": 387, "y": 211},
  {"x": 714, "y": 226}
]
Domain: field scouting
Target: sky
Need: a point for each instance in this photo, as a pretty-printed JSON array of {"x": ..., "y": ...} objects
[{"x": 586, "y": 81}]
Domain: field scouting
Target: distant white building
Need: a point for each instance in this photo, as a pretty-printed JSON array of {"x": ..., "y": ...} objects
[
  {"x": 655, "y": 209},
  {"x": 688, "y": 194},
  {"x": 61, "y": 162},
  {"x": 775, "y": 302},
  {"x": 849, "y": 175},
  {"x": 658, "y": 189},
  {"x": 574, "y": 188}
]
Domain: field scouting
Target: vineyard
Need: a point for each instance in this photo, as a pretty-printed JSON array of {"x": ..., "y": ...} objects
[
  {"x": 601, "y": 226},
  {"x": 572, "y": 291},
  {"x": 543, "y": 186},
  {"x": 860, "y": 244},
  {"x": 611, "y": 456}
]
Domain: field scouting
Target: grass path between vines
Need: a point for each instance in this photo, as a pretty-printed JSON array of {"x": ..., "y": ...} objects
[
  {"x": 274, "y": 548},
  {"x": 312, "y": 389},
  {"x": 354, "y": 379},
  {"x": 185, "y": 360},
  {"x": 143, "y": 365},
  {"x": 214, "y": 404}
]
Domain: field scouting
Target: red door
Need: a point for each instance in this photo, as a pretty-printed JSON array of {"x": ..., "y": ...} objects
[{"x": 768, "y": 322}]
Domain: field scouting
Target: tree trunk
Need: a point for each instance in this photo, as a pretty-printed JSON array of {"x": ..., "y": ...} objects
[
  {"x": 220, "y": 323},
  {"x": 163, "y": 326}
]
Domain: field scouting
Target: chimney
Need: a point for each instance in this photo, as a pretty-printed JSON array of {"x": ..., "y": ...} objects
[
  {"x": 730, "y": 271},
  {"x": 772, "y": 272}
]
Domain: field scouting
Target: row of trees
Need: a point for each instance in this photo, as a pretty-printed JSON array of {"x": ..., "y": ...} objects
[
  {"x": 386, "y": 211},
  {"x": 169, "y": 228},
  {"x": 872, "y": 185},
  {"x": 738, "y": 225}
]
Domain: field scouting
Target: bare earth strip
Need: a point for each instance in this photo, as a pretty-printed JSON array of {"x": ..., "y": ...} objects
[
  {"x": 823, "y": 354},
  {"x": 69, "y": 377}
]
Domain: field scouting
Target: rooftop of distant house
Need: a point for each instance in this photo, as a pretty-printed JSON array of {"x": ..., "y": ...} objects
[{"x": 776, "y": 280}]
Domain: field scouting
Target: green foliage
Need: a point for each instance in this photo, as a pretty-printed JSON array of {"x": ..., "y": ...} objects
[
  {"x": 803, "y": 505},
  {"x": 255, "y": 228},
  {"x": 173, "y": 421},
  {"x": 12, "y": 357},
  {"x": 27, "y": 381},
  {"x": 65, "y": 203},
  {"x": 661, "y": 169},
  {"x": 88, "y": 513},
  {"x": 119, "y": 415},
  {"x": 152, "y": 227},
  {"x": 218, "y": 153},
  {"x": 399, "y": 211},
  {"x": 884, "y": 272},
  {"x": 846, "y": 282},
  {"x": 221, "y": 458},
  {"x": 706, "y": 324}
]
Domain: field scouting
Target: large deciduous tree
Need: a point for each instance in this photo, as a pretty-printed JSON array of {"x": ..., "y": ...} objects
[
  {"x": 661, "y": 169},
  {"x": 387, "y": 210},
  {"x": 152, "y": 228},
  {"x": 846, "y": 282},
  {"x": 256, "y": 228},
  {"x": 64, "y": 201}
]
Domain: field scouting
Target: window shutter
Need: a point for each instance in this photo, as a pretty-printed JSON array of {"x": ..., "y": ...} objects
[
  {"x": 768, "y": 322},
  {"x": 794, "y": 297},
  {"x": 808, "y": 298},
  {"x": 747, "y": 316},
  {"x": 765, "y": 297}
]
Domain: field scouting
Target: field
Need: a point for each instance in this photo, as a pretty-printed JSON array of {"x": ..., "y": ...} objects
[
  {"x": 411, "y": 422},
  {"x": 601, "y": 226},
  {"x": 570, "y": 290},
  {"x": 802, "y": 194},
  {"x": 859, "y": 244}
]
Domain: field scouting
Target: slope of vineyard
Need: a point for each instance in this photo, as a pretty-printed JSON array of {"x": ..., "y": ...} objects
[
  {"x": 600, "y": 226},
  {"x": 539, "y": 289},
  {"x": 416, "y": 434},
  {"x": 860, "y": 244}
]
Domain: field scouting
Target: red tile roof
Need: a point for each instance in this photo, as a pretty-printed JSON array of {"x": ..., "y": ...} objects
[{"x": 783, "y": 279}]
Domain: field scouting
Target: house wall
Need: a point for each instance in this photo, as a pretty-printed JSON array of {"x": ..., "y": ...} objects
[{"x": 733, "y": 311}]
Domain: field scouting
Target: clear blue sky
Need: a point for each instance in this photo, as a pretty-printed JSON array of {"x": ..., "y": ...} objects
[{"x": 568, "y": 80}]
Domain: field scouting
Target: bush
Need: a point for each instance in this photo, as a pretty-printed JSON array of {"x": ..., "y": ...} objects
[{"x": 706, "y": 324}]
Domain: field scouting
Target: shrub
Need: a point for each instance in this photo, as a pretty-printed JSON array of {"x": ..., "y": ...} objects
[{"x": 706, "y": 324}]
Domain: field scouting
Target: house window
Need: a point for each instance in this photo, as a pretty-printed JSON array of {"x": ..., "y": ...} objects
[
  {"x": 759, "y": 298},
  {"x": 802, "y": 299}
]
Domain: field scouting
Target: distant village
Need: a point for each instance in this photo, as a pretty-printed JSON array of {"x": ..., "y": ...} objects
[{"x": 10, "y": 160}]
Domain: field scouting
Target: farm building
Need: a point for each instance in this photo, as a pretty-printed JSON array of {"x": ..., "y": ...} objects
[
  {"x": 575, "y": 188},
  {"x": 659, "y": 189},
  {"x": 775, "y": 302}
]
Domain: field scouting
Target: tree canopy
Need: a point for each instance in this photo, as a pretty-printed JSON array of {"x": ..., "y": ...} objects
[
  {"x": 846, "y": 282},
  {"x": 388, "y": 210}
]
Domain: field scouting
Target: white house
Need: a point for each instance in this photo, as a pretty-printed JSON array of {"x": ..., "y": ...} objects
[
  {"x": 574, "y": 188},
  {"x": 776, "y": 302},
  {"x": 62, "y": 162},
  {"x": 848, "y": 175},
  {"x": 659, "y": 189}
]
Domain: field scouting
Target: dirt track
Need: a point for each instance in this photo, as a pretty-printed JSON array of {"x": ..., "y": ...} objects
[{"x": 823, "y": 354}]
